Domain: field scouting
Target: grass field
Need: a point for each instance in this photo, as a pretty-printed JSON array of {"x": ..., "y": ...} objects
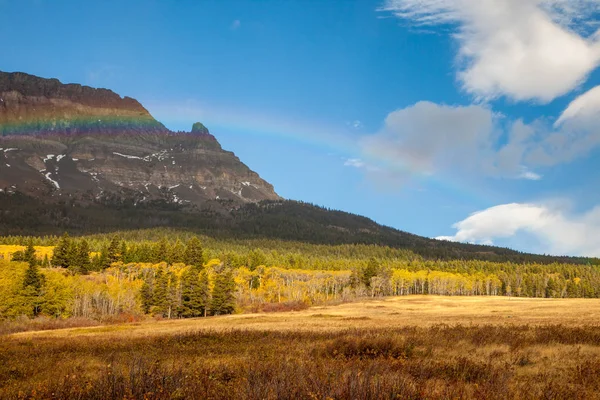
[{"x": 415, "y": 347}]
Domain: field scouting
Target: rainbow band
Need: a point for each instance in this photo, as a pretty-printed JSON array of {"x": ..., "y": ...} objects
[{"x": 78, "y": 125}]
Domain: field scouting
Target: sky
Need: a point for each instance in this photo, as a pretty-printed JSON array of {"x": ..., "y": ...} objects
[{"x": 466, "y": 120}]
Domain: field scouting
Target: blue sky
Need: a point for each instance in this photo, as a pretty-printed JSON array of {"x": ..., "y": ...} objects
[{"x": 437, "y": 117}]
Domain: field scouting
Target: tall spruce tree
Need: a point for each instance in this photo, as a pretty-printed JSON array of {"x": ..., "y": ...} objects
[
  {"x": 176, "y": 252},
  {"x": 160, "y": 252},
  {"x": 62, "y": 252},
  {"x": 125, "y": 256},
  {"x": 194, "y": 255},
  {"x": 223, "y": 299},
  {"x": 82, "y": 257},
  {"x": 29, "y": 254},
  {"x": 32, "y": 288},
  {"x": 194, "y": 293},
  {"x": 113, "y": 254},
  {"x": 160, "y": 294},
  {"x": 146, "y": 294}
]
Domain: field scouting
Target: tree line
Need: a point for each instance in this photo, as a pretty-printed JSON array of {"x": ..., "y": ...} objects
[{"x": 103, "y": 276}]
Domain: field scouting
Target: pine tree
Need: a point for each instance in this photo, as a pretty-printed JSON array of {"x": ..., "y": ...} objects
[
  {"x": 223, "y": 299},
  {"x": 176, "y": 253},
  {"x": 124, "y": 252},
  {"x": 194, "y": 255},
  {"x": 82, "y": 257},
  {"x": 160, "y": 294},
  {"x": 60, "y": 257},
  {"x": 33, "y": 278},
  {"x": 160, "y": 252},
  {"x": 146, "y": 294},
  {"x": 18, "y": 256},
  {"x": 32, "y": 287},
  {"x": 194, "y": 293},
  {"x": 29, "y": 254},
  {"x": 113, "y": 254},
  {"x": 369, "y": 272}
]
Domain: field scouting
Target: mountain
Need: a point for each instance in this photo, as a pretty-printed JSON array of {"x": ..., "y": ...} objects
[
  {"x": 75, "y": 142},
  {"x": 85, "y": 160}
]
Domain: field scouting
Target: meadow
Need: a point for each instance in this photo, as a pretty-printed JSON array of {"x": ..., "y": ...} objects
[{"x": 409, "y": 347}]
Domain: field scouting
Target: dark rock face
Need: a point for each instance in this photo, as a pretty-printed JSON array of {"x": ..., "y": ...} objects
[
  {"x": 33, "y": 86},
  {"x": 60, "y": 142}
]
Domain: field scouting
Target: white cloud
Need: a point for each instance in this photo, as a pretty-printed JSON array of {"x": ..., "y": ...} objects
[
  {"x": 522, "y": 49},
  {"x": 585, "y": 106},
  {"x": 574, "y": 134},
  {"x": 354, "y": 162},
  {"x": 532, "y": 176},
  {"x": 428, "y": 136},
  {"x": 558, "y": 231}
]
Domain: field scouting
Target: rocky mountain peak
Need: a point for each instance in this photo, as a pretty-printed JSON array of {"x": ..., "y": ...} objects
[
  {"x": 199, "y": 128},
  {"x": 67, "y": 141},
  {"x": 33, "y": 86}
]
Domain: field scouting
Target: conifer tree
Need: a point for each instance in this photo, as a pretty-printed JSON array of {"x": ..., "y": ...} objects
[
  {"x": 18, "y": 256},
  {"x": 146, "y": 294},
  {"x": 369, "y": 272},
  {"x": 124, "y": 252},
  {"x": 82, "y": 257},
  {"x": 32, "y": 287},
  {"x": 160, "y": 294},
  {"x": 194, "y": 255},
  {"x": 60, "y": 257},
  {"x": 112, "y": 252},
  {"x": 223, "y": 299},
  {"x": 160, "y": 251},
  {"x": 29, "y": 254},
  {"x": 194, "y": 293},
  {"x": 176, "y": 253}
]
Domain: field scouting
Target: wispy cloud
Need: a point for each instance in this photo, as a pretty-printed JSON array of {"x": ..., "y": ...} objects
[
  {"x": 527, "y": 49},
  {"x": 356, "y": 124},
  {"x": 532, "y": 176},
  {"x": 354, "y": 162},
  {"x": 558, "y": 231}
]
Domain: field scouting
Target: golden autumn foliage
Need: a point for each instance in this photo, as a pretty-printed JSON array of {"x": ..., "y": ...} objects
[{"x": 6, "y": 251}]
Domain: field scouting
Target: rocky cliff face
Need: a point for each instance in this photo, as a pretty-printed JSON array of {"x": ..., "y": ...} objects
[{"x": 64, "y": 142}]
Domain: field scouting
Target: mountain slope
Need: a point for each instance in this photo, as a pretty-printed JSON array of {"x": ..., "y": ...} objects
[{"x": 70, "y": 141}]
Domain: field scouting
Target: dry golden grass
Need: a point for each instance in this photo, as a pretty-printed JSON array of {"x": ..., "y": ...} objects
[
  {"x": 389, "y": 312},
  {"x": 414, "y": 347}
]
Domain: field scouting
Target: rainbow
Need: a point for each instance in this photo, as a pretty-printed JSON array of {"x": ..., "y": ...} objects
[
  {"x": 345, "y": 143},
  {"x": 79, "y": 125}
]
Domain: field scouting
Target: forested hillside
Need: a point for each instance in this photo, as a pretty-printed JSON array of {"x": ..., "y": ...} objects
[
  {"x": 280, "y": 221},
  {"x": 101, "y": 276}
]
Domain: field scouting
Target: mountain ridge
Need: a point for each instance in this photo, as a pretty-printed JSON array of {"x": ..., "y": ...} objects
[{"x": 84, "y": 143}]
